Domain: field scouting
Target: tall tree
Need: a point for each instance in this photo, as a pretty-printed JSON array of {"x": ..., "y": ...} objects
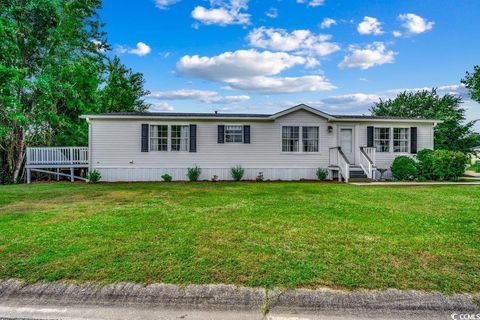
[
  {"x": 453, "y": 134},
  {"x": 472, "y": 82},
  {"x": 123, "y": 87},
  {"x": 53, "y": 68}
]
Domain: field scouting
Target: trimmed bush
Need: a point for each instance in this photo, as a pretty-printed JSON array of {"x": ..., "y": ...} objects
[
  {"x": 425, "y": 164},
  {"x": 93, "y": 176},
  {"x": 404, "y": 168},
  {"x": 194, "y": 173},
  {"x": 321, "y": 174},
  {"x": 167, "y": 178},
  {"x": 449, "y": 165},
  {"x": 237, "y": 173}
]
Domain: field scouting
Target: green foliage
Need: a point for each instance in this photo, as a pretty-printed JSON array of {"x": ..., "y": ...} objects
[
  {"x": 123, "y": 88},
  {"x": 404, "y": 168},
  {"x": 53, "y": 68},
  {"x": 321, "y": 174},
  {"x": 472, "y": 82},
  {"x": 194, "y": 173},
  {"x": 441, "y": 164},
  {"x": 237, "y": 173},
  {"x": 448, "y": 165},
  {"x": 93, "y": 176},
  {"x": 425, "y": 164},
  {"x": 167, "y": 178},
  {"x": 453, "y": 134}
]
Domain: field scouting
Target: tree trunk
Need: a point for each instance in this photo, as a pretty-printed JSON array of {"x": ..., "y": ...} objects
[{"x": 20, "y": 154}]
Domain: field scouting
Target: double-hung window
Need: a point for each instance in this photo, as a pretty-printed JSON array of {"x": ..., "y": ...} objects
[
  {"x": 290, "y": 139},
  {"x": 159, "y": 138},
  {"x": 310, "y": 139},
  {"x": 382, "y": 139},
  {"x": 233, "y": 134},
  {"x": 400, "y": 139},
  {"x": 179, "y": 138}
]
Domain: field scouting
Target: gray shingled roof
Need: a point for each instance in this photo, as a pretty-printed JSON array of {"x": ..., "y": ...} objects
[
  {"x": 186, "y": 114},
  {"x": 236, "y": 115}
]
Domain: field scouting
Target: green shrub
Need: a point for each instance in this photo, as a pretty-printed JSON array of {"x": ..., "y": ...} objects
[
  {"x": 321, "y": 174},
  {"x": 93, "y": 176},
  {"x": 194, "y": 173},
  {"x": 425, "y": 162},
  {"x": 448, "y": 165},
  {"x": 404, "y": 168},
  {"x": 237, "y": 173},
  {"x": 167, "y": 178}
]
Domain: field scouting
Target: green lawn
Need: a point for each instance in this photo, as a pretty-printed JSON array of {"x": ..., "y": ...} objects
[{"x": 281, "y": 234}]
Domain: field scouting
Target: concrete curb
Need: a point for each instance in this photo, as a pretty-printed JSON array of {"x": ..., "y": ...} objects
[{"x": 229, "y": 297}]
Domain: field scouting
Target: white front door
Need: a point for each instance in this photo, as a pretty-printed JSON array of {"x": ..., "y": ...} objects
[{"x": 346, "y": 143}]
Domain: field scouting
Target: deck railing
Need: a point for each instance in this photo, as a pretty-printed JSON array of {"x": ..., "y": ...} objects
[
  {"x": 366, "y": 162},
  {"x": 338, "y": 158},
  {"x": 57, "y": 156}
]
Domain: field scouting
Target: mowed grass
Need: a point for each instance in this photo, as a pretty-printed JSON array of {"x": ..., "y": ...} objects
[{"x": 284, "y": 234}]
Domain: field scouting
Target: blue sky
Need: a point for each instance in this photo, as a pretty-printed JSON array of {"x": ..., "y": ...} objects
[{"x": 262, "y": 56}]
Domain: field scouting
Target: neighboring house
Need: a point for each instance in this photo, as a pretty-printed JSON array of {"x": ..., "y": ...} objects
[{"x": 288, "y": 145}]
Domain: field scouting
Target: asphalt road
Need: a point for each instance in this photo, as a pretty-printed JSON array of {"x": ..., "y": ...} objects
[{"x": 20, "y": 310}]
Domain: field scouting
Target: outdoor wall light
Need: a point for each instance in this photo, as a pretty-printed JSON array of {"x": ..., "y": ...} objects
[{"x": 330, "y": 129}]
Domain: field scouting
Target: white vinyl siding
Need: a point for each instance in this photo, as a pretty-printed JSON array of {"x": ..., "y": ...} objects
[
  {"x": 116, "y": 153},
  {"x": 233, "y": 134}
]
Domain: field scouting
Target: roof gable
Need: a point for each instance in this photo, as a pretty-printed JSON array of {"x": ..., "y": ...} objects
[{"x": 302, "y": 107}]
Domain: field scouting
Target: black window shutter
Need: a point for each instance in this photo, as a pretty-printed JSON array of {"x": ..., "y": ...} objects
[
  {"x": 193, "y": 138},
  {"x": 221, "y": 134},
  {"x": 370, "y": 137},
  {"x": 145, "y": 137},
  {"x": 413, "y": 140},
  {"x": 246, "y": 134}
]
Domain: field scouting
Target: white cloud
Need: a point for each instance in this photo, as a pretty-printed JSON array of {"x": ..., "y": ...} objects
[
  {"x": 160, "y": 106},
  {"x": 141, "y": 49},
  {"x": 164, "y": 4},
  {"x": 397, "y": 34},
  {"x": 370, "y": 25},
  {"x": 205, "y": 96},
  {"x": 275, "y": 85},
  {"x": 415, "y": 24},
  {"x": 453, "y": 89},
  {"x": 312, "y": 3},
  {"x": 238, "y": 64},
  {"x": 252, "y": 71},
  {"x": 272, "y": 13},
  {"x": 327, "y": 23},
  {"x": 298, "y": 41},
  {"x": 223, "y": 13},
  {"x": 374, "y": 54}
]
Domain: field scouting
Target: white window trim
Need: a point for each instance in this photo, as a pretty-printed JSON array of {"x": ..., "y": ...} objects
[
  {"x": 225, "y": 133},
  {"x": 300, "y": 138},
  {"x": 169, "y": 137},
  {"x": 390, "y": 144}
]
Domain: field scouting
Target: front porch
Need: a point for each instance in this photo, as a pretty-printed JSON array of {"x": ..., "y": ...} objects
[
  {"x": 341, "y": 167},
  {"x": 46, "y": 159}
]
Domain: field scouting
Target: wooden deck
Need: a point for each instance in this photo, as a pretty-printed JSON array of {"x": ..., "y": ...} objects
[{"x": 43, "y": 159}]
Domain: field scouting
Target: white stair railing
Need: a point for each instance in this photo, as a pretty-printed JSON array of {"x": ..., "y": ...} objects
[
  {"x": 367, "y": 162},
  {"x": 338, "y": 158}
]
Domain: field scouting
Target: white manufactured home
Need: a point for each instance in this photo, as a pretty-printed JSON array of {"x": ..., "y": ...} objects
[{"x": 288, "y": 145}]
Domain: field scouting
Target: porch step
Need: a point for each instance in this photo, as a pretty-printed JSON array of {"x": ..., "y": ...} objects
[
  {"x": 360, "y": 179},
  {"x": 356, "y": 172}
]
